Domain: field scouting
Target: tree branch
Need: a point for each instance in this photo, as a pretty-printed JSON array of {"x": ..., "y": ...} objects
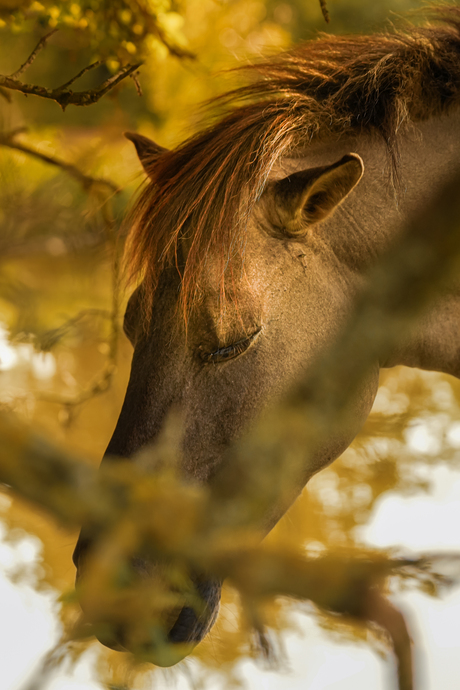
[
  {"x": 65, "y": 96},
  {"x": 113, "y": 81},
  {"x": 74, "y": 492},
  {"x": 51, "y": 338},
  {"x": 135, "y": 77},
  {"x": 324, "y": 10},
  {"x": 81, "y": 73},
  {"x": 40, "y": 45},
  {"x": 380, "y": 610},
  {"x": 87, "y": 181}
]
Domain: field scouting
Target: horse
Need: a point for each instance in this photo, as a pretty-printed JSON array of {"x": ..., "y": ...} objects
[{"x": 252, "y": 240}]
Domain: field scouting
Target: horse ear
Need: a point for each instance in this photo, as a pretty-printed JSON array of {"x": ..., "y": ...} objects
[
  {"x": 147, "y": 150},
  {"x": 309, "y": 196}
]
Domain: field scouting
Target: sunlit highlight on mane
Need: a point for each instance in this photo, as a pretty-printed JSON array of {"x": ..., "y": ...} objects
[{"x": 209, "y": 184}]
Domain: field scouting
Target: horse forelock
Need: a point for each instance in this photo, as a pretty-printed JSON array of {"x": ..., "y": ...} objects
[{"x": 205, "y": 189}]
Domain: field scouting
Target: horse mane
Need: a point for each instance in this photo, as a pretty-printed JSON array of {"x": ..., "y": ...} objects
[{"x": 206, "y": 188}]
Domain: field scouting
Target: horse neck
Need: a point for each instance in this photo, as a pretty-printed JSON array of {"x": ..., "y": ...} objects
[
  {"x": 372, "y": 216},
  {"x": 429, "y": 155}
]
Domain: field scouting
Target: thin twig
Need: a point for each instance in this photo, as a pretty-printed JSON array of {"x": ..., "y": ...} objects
[
  {"x": 81, "y": 73},
  {"x": 64, "y": 96},
  {"x": 104, "y": 379},
  {"x": 40, "y": 45},
  {"x": 51, "y": 338},
  {"x": 135, "y": 77},
  {"x": 116, "y": 79},
  {"x": 324, "y": 10},
  {"x": 87, "y": 181},
  {"x": 101, "y": 384}
]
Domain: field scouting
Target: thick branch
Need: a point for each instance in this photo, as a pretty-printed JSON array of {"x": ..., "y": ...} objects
[
  {"x": 65, "y": 96},
  {"x": 120, "y": 496}
]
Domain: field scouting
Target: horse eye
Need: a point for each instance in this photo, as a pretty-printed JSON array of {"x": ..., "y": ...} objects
[{"x": 223, "y": 354}]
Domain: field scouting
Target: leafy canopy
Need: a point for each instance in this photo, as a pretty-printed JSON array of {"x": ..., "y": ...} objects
[{"x": 116, "y": 30}]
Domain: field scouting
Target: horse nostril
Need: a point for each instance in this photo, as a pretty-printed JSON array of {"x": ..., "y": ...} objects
[
  {"x": 192, "y": 626},
  {"x": 169, "y": 619},
  {"x": 184, "y": 626}
]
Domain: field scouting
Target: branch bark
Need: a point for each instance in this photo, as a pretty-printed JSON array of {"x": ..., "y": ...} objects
[{"x": 63, "y": 95}]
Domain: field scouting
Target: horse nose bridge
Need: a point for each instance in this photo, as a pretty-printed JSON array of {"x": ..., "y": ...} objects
[{"x": 156, "y": 387}]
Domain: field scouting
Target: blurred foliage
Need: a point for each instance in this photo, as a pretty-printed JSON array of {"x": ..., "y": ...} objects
[
  {"x": 115, "y": 30},
  {"x": 56, "y": 262},
  {"x": 117, "y": 501}
]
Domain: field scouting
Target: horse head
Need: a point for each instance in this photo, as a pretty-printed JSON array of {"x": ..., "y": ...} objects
[{"x": 237, "y": 351}]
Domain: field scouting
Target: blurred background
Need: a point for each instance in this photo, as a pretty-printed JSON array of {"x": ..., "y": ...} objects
[{"x": 64, "y": 363}]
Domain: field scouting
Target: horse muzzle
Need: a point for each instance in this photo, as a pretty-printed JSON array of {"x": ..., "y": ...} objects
[
  {"x": 161, "y": 646},
  {"x": 146, "y": 614}
]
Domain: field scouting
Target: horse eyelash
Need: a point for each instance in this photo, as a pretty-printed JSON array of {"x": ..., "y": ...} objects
[{"x": 223, "y": 354}]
